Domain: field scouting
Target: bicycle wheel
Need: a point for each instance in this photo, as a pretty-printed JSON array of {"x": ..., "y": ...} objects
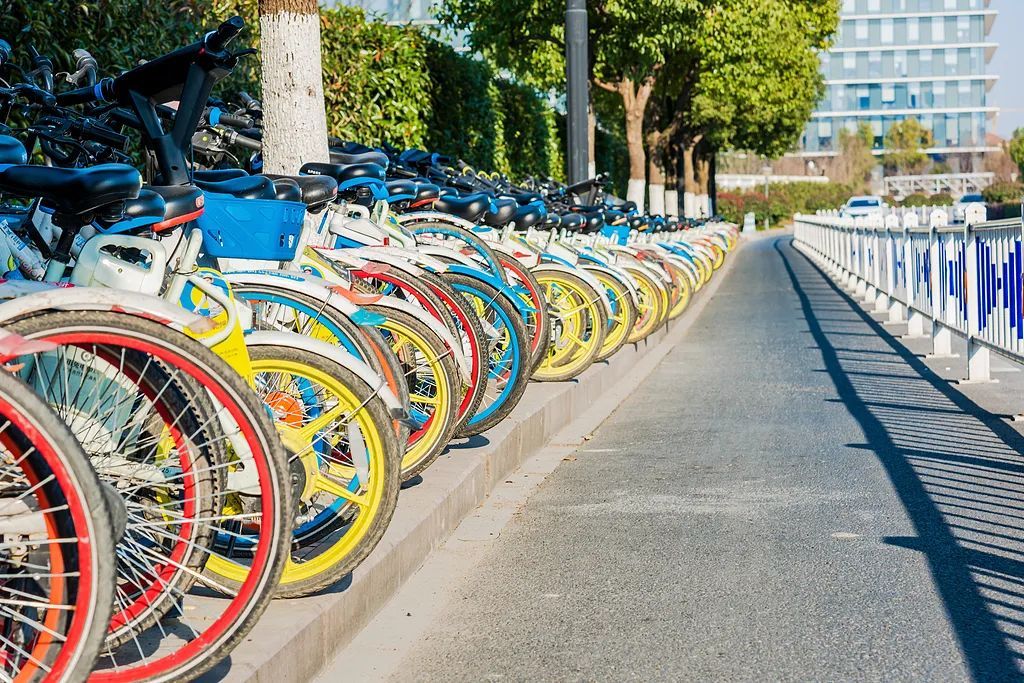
[
  {"x": 349, "y": 456},
  {"x": 579, "y": 322},
  {"x": 278, "y": 308},
  {"x": 433, "y": 380},
  {"x": 652, "y": 305},
  {"x": 508, "y": 357},
  {"x": 623, "y": 314},
  {"x": 538, "y": 321},
  {"x": 118, "y": 381},
  {"x": 56, "y": 559}
]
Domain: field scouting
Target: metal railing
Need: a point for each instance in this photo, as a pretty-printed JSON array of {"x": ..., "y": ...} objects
[{"x": 967, "y": 278}]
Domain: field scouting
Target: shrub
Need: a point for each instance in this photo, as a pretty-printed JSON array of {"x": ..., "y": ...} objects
[
  {"x": 941, "y": 199},
  {"x": 916, "y": 199},
  {"x": 1003, "y": 192}
]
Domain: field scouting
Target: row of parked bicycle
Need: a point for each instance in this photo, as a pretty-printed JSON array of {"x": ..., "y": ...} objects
[{"x": 218, "y": 381}]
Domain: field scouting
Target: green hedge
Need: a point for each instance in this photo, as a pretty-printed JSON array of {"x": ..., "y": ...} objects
[
  {"x": 382, "y": 83},
  {"x": 782, "y": 201}
]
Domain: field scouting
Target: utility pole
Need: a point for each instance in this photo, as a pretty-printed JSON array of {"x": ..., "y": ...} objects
[{"x": 577, "y": 88}]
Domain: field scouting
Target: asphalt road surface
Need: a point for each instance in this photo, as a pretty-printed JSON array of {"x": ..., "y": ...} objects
[{"x": 791, "y": 496}]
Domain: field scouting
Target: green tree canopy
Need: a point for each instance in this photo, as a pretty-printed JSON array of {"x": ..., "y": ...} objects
[
  {"x": 1016, "y": 149},
  {"x": 904, "y": 147}
]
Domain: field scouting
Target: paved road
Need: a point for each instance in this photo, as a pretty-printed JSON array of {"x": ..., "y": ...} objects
[{"x": 791, "y": 496}]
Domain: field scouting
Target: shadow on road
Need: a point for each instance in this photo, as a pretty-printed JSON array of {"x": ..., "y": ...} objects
[{"x": 956, "y": 468}]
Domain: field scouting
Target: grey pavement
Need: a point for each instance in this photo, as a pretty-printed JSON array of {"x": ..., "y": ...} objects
[{"x": 793, "y": 495}]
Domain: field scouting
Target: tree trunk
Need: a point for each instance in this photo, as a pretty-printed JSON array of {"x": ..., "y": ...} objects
[
  {"x": 634, "y": 101},
  {"x": 655, "y": 174},
  {"x": 690, "y": 185},
  {"x": 703, "y": 168},
  {"x": 294, "y": 118},
  {"x": 591, "y": 139},
  {"x": 671, "y": 181}
]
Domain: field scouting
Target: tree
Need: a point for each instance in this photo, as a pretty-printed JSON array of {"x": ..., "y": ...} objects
[
  {"x": 294, "y": 120},
  {"x": 747, "y": 78},
  {"x": 855, "y": 162},
  {"x": 628, "y": 45},
  {"x": 904, "y": 147},
  {"x": 1016, "y": 148}
]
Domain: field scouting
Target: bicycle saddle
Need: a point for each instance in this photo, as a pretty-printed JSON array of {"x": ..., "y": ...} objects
[
  {"x": 345, "y": 159},
  {"x": 401, "y": 189},
  {"x": 637, "y": 222},
  {"x": 573, "y": 222},
  {"x": 317, "y": 190},
  {"x": 73, "y": 191},
  {"x": 182, "y": 203},
  {"x": 344, "y": 172},
  {"x": 594, "y": 222},
  {"x": 12, "y": 151},
  {"x": 219, "y": 174},
  {"x": 503, "y": 210},
  {"x": 243, "y": 187},
  {"x": 529, "y": 215},
  {"x": 287, "y": 190},
  {"x": 613, "y": 217},
  {"x": 550, "y": 222},
  {"x": 471, "y": 207}
]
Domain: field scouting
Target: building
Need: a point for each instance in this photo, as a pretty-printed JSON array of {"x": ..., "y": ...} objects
[
  {"x": 896, "y": 59},
  {"x": 417, "y": 12}
]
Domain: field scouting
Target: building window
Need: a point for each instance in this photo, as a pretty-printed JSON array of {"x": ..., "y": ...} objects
[
  {"x": 887, "y": 35},
  {"x": 849, "y": 63},
  {"x": 926, "y": 62},
  {"x": 950, "y": 4},
  {"x": 888, "y": 93},
  {"x": 963, "y": 28},
  {"x": 875, "y": 63},
  {"x": 939, "y": 90},
  {"x": 860, "y": 29},
  {"x": 913, "y": 94},
  {"x": 863, "y": 97},
  {"x": 874, "y": 5},
  {"x": 913, "y": 30},
  {"x": 938, "y": 30},
  {"x": 899, "y": 60}
]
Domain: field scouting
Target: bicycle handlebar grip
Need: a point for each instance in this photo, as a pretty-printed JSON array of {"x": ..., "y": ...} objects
[
  {"x": 248, "y": 143},
  {"x": 235, "y": 121},
  {"x": 85, "y": 66},
  {"x": 103, "y": 135},
  {"x": 249, "y": 101},
  {"x": 100, "y": 92},
  {"x": 44, "y": 66},
  {"x": 217, "y": 40}
]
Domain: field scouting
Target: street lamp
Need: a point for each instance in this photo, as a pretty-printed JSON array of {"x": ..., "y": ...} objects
[
  {"x": 577, "y": 92},
  {"x": 766, "y": 171}
]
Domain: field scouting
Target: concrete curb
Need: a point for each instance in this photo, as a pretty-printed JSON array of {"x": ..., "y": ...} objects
[{"x": 296, "y": 638}]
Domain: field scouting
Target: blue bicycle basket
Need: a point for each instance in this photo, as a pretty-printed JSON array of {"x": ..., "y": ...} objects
[{"x": 262, "y": 229}]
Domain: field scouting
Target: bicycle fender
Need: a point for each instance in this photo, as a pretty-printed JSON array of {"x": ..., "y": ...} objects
[
  {"x": 23, "y": 298},
  {"x": 436, "y": 326},
  {"x": 304, "y": 283}
]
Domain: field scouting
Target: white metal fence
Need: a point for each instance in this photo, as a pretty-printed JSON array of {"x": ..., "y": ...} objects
[{"x": 967, "y": 279}]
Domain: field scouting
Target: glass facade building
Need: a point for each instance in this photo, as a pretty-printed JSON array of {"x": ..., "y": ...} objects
[{"x": 897, "y": 59}]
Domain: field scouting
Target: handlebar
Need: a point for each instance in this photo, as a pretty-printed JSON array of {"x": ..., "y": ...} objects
[
  {"x": 217, "y": 40},
  {"x": 102, "y": 91},
  {"x": 43, "y": 66},
  {"x": 5, "y": 52},
  {"x": 85, "y": 68},
  {"x": 250, "y": 102}
]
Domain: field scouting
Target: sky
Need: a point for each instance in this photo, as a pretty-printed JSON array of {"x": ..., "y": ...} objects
[{"x": 1007, "y": 63}]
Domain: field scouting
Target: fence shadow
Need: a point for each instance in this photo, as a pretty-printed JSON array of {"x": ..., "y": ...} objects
[{"x": 956, "y": 468}]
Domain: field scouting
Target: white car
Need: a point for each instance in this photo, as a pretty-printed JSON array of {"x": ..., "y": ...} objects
[
  {"x": 863, "y": 205},
  {"x": 961, "y": 206}
]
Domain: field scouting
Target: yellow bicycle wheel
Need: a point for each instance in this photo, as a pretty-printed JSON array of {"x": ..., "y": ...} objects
[
  {"x": 433, "y": 380},
  {"x": 652, "y": 306},
  {"x": 579, "y": 322},
  {"x": 344, "y": 464},
  {"x": 623, "y": 313}
]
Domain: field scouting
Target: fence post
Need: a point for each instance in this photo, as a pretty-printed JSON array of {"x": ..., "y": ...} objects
[
  {"x": 979, "y": 358},
  {"x": 894, "y": 248},
  {"x": 942, "y": 334},
  {"x": 915, "y": 318}
]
